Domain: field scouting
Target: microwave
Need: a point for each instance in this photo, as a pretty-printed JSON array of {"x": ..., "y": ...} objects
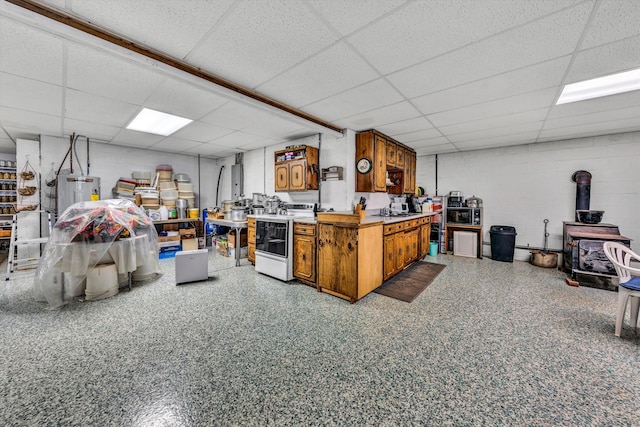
[{"x": 464, "y": 216}]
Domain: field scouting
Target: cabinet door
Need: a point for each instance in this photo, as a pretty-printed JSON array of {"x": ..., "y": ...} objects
[
  {"x": 297, "y": 175},
  {"x": 425, "y": 236},
  {"x": 413, "y": 171},
  {"x": 389, "y": 256},
  {"x": 338, "y": 259},
  {"x": 400, "y": 157},
  {"x": 400, "y": 251},
  {"x": 304, "y": 254},
  {"x": 380, "y": 165},
  {"x": 391, "y": 154},
  {"x": 406, "y": 186},
  {"x": 282, "y": 177}
]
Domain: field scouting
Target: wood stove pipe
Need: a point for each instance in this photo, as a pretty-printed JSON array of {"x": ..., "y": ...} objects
[{"x": 583, "y": 190}]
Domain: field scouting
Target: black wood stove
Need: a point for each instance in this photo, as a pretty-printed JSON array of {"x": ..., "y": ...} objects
[{"x": 583, "y": 255}]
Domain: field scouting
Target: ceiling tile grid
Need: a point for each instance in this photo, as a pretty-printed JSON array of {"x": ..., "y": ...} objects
[{"x": 440, "y": 76}]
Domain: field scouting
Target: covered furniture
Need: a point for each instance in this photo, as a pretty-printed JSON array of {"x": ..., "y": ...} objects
[
  {"x": 629, "y": 281},
  {"x": 91, "y": 234}
]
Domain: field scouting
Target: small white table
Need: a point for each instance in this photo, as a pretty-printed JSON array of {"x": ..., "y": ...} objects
[{"x": 237, "y": 226}]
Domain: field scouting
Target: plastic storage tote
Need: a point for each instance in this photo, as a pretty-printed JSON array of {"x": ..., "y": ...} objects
[{"x": 503, "y": 242}]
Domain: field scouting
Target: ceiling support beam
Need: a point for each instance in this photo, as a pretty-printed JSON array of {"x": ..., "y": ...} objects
[{"x": 103, "y": 34}]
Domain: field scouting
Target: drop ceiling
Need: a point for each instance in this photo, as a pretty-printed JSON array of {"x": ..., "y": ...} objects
[{"x": 440, "y": 76}]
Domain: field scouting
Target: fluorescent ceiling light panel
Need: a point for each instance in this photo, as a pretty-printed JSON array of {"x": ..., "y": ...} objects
[
  {"x": 157, "y": 122},
  {"x": 602, "y": 86}
]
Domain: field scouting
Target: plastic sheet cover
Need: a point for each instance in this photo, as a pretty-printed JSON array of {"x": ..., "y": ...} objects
[{"x": 95, "y": 233}]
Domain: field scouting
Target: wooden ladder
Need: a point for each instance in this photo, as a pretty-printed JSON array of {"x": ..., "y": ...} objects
[{"x": 14, "y": 263}]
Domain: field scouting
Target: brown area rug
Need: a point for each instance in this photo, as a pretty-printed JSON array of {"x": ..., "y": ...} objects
[{"x": 407, "y": 285}]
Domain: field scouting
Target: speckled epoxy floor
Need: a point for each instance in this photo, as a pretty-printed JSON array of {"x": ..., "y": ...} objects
[{"x": 488, "y": 343}]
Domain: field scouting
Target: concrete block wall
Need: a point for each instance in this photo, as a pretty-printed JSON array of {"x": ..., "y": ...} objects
[{"x": 522, "y": 185}]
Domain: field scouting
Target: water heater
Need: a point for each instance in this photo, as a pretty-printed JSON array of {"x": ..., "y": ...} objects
[{"x": 73, "y": 189}]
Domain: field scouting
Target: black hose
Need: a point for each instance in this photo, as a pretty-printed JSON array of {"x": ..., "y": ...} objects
[{"x": 218, "y": 186}]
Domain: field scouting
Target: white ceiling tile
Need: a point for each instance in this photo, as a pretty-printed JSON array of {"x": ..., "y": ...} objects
[
  {"x": 348, "y": 16},
  {"x": 426, "y": 29},
  {"x": 601, "y": 61},
  {"x": 30, "y": 53},
  {"x": 538, "y": 76},
  {"x": 541, "y": 40},
  {"x": 496, "y": 132},
  {"x": 30, "y": 95},
  {"x": 421, "y": 135},
  {"x": 7, "y": 145},
  {"x": 92, "y": 108},
  {"x": 183, "y": 99},
  {"x": 440, "y": 140},
  {"x": 606, "y": 103},
  {"x": 258, "y": 40},
  {"x": 215, "y": 151},
  {"x": 172, "y": 27},
  {"x": 96, "y": 72},
  {"x": 136, "y": 139},
  {"x": 201, "y": 132},
  {"x": 498, "y": 141},
  {"x": 379, "y": 117},
  {"x": 175, "y": 145},
  {"x": 495, "y": 122},
  {"x": 370, "y": 96},
  {"x": 237, "y": 140},
  {"x": 500, "y": 107},
  {"x": 405, "y": 126},
  {"x": 589, "y": 118},
  {"x": 614, "y": 20},
  {"x": 232, "y": 115},
  {"x": 30, "y": 122},
  {"x": 328, "y": 73},
  {"x": 91, "y": 129},
  {"x": 600, "y": 128},
  {"x": 437, "y": 149}
]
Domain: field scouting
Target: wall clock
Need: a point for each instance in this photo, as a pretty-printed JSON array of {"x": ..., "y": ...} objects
[{"x": 363, "y": 165}]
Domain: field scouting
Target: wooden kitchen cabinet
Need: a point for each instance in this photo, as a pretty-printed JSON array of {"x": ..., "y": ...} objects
[
  {"x": 403, "y": 244},
  {"x": 372, "y": 146},
  {"x": 251, "y": 240},
  {"x": 409, "y": 180},
  {"x": 349, "y": 259},
  {"x": 392, "y": 148},
  {"x": 425, "y": 237},
  {"x": 385, "y": 155},
  {"x": 296, "y": 169},
  {"x": 304, "y": 252}
]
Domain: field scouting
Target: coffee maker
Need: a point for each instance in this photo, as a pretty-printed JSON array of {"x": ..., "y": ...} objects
[{"x": 455, "y": 199}]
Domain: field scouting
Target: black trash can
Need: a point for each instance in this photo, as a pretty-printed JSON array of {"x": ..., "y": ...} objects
[{"x": 503, "y": 242}]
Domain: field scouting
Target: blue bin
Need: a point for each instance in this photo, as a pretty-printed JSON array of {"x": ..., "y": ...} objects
[{"x": 433, "y": 248}]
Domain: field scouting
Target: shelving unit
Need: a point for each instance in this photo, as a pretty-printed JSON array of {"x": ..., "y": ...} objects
[{"x": 8, "y": 198}]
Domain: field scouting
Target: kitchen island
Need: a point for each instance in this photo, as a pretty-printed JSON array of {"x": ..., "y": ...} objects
[{"x": 357, "y": 254}]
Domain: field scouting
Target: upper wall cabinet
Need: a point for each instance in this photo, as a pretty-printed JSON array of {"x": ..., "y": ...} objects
[
  {"x": 296, "y": 169},
  {"x": 371, "y": 162},
  {"x": 376, "y": 154}
]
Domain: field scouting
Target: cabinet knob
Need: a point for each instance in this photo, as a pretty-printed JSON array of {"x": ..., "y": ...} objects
[{"x": 304, "y": 257}]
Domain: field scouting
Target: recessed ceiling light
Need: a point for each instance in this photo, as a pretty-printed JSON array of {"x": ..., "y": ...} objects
[
  {"x": 602, "y": 86},
  {"x": 157, "y": 122}
]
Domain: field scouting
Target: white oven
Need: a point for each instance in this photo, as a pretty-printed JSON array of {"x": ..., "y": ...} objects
[{"x": 274, "y": 241}]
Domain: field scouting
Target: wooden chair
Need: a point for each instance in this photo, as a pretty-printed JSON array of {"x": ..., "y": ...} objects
[{"x": 629, "y": 281}]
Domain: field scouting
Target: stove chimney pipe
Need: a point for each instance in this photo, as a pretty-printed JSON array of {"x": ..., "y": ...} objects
[{"x": 583, "y": 190}]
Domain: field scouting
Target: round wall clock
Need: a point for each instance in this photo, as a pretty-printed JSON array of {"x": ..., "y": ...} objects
[{"x": 363, "y": 165}]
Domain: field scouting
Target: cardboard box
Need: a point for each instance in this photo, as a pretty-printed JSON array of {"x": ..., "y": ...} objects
[
  {"x": 189, "y": 244},
  {"x": 244, "y": 251},
  {"x": 231, "y": 237},
  {"x": 165, "y": 239},
  {"x": 187, "y": 233}
]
